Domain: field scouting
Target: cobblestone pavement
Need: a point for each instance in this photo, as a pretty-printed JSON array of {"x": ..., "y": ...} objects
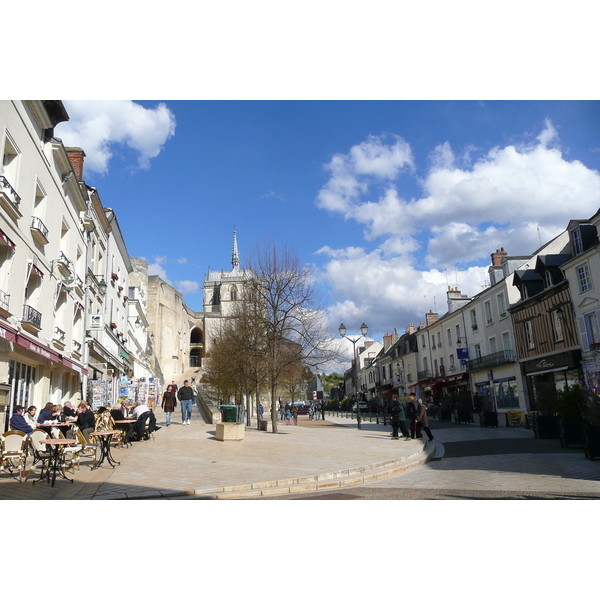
[{"x": 491, "y": 463}]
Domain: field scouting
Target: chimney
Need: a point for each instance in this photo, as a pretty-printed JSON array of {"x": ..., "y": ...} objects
[
  {"x": 497, "y": 257},
  {"x": 76, "y": 156},
  {"x": 369, "y": 343},
  {"x": 431, "y": 317},
  {"x": 410, "y": 329},
  {"x": 387, "y": 341}
]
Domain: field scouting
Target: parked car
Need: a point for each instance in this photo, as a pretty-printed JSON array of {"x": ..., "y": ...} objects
[
  {"x": 302, "y": 409},
  {"x": 363, "y": 407}
]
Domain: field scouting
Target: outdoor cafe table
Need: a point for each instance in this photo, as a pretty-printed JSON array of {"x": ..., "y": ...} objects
[
  {"x": 58, "y": 446},
  {"x": 125, "y": 423},
  {"x": 105, "y": 446}
]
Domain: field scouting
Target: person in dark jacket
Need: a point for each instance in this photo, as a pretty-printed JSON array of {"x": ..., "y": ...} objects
[
  {"x": 85, "y": 419},
  {"x": 413, "y": 411},
  {"x": 423, "y": 421},
  {"x": 168, "y": 404},
  {"x": 46, "y": 414},
  {"x": 17, "y": 421},
  {"x": 185, "y": 395},
  {"x": 398, "y": 419},
  {"x": 69, "y": 410}
]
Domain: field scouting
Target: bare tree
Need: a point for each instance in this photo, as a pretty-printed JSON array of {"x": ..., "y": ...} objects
[{"x": 287, "y": 313}]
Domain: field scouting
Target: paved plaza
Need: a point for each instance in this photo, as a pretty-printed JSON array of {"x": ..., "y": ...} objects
[{"x": 186, "y": 462}]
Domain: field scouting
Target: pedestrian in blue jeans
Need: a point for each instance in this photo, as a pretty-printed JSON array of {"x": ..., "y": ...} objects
[{"x": 185, "y": 396}]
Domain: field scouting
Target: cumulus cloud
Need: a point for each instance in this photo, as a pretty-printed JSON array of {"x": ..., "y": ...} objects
[
  {"x": 187, "y": 287},
  {"x": 100, "y": 126},
  {"x": 157, "y": 269},
  {"x": 517, "y": 197}
]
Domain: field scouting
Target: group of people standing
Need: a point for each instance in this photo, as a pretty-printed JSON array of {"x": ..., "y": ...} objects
[
  {"x": 415, "y": 412},
  {"x": 186, "y": 395}
]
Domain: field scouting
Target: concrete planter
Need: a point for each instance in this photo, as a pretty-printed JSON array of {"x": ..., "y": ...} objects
[{"x": 230, "y": 432}]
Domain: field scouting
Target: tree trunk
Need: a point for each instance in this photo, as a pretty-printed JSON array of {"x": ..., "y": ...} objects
[{"x": 273, "y": 411}]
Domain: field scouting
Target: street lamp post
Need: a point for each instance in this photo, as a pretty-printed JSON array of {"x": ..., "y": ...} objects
[{"x": 363, "y": 330}]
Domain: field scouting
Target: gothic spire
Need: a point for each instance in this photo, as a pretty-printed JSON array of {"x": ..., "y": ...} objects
[{"x": 235, "y": 257}]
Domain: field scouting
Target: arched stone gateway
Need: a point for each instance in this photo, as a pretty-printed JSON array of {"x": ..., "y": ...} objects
[{"x": 196, "y": 347}]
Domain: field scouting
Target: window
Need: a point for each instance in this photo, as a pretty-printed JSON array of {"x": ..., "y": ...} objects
[
  {"x": 502, "y": 306},
  {"x": 452, "y": 364},
  {"x": 233, "y": 293},
  {"x": 458, "y": 334},
  {"x": 489, "y": 319},
  {"x": 547, "y": 279},
  {"x": 576, "y": 242},
  {"x": 473, "y": 321},
  {"x": 529, "y": 335},
  {"x": 556, "y": 326},
  {"x": 493, "y": 346},
  {"x": 590, "y": 333},
  {"x": 440, "y": 339},
  {"x": 506, "y": 342},
  {"x": 423, "y": 342},
  {"x": 477, "y": 350},
  {"x": 584, "y": 279},
  {"x": 449, "y": 332}
]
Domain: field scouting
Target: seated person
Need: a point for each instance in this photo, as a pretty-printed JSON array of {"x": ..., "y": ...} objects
[
  {"x": 116, "y": 413},
  {"x": 69, "y": 410},
  {"x": 17, "y": 421},
  {"x": 47, "y": 413},
  {"x": 29, "y": 416},
  {"x": 58, "y": 414},
  {"x": 85, "y": 420},
  {"x": 143, "y": 413}
]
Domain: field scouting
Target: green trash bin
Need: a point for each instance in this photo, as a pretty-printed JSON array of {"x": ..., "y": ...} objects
[{"x": 229, "y": 412}]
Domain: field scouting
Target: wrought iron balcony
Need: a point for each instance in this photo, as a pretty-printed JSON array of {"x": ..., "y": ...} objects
[
  {"x": 39, "y": 230},
  {"x": 9, "y": 199},
  {"x": 59, "y": 335},
  {"x": 491, "y": 360},
  {"x": 32, "y": 317},
  {"x": 4, "y": 300},
  {"x": 426, "y": 374}
]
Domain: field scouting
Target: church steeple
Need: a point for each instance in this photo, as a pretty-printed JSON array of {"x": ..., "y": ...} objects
[{"x": 235, "y": 257}]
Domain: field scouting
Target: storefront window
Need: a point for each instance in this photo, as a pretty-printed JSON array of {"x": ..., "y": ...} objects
[
  {"x": 21, "y": 378},
  {"x": 506, "y": 394}
]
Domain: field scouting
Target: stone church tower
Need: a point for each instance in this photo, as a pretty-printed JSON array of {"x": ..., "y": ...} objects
[{"x": 182, "y": 336}]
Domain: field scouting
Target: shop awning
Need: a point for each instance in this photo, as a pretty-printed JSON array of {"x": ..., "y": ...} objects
[
  {"x": 412, "y": 385},
  {"x": 449, "y": 378}
]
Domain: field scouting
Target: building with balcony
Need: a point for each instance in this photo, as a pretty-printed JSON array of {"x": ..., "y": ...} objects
[{"x": 42, "y": 259}]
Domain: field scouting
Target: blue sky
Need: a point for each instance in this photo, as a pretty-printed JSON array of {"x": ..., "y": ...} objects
[{"x": 391, "y": 201}]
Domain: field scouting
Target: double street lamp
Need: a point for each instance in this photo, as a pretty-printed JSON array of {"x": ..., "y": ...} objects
[{"x": 363, "y": 330}]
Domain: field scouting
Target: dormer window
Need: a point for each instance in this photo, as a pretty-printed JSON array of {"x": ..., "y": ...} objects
[
  {"x": 577, "y": 242},
  {"x": 548, "y": 279}
]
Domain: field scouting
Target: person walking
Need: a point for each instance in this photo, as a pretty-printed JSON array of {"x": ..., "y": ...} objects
[
  {"x": 168, "y": 404},
  {"x": 398, "y": 419},
  {"x": 413, "y": 411},
  {"x": 423, "y": 421},
  {"x": 185, "y": 396},
  {"x": 295, "y": 414},
  {"x": 322, "y": 410},
  {"x": 261, "y": 411},
  {"x": 288, "y": 417}
]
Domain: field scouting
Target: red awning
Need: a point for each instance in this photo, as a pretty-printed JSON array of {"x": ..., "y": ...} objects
[
  {"x": 7, "y": 240},
  {"x": 449, "y": 378},
  {"x": 412, "y": 385},
  {"x": 38, "y": 348},
  {"x": 7, "y": 333}
]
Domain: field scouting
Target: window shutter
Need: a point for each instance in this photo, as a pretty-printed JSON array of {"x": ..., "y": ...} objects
[{"x": 583, "y": 334}]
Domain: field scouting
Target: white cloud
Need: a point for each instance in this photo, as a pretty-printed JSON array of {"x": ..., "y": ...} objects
[
  {"x": 182, "y": 261},
  {"x": 518, "y": 197},
  {"x": 187, "y": 287},
  {"x": 99, "y": 126},
  {"x": 156, "y": 269}
]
